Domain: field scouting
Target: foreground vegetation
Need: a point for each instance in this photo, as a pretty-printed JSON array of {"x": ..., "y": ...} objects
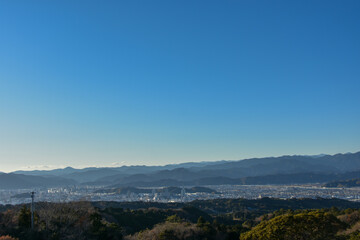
[{"x": 223, "y": 219}]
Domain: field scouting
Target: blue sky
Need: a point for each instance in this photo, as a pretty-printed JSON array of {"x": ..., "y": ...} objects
[{"x": 107, "y": 83}]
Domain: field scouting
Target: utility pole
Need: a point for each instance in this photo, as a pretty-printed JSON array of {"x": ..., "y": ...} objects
[
  {"x": 182, "y": 195},
  {"x": 32, "y": 209}
]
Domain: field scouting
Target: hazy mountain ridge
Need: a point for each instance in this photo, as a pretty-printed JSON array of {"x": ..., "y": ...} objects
[
  {"x": 270, "y": 170},
  {"x": 17, "y": 181},
  {"x": 344, "y": 183},
  {"x": 235, "y": 172},
  {"x": 295, "y": 178}
]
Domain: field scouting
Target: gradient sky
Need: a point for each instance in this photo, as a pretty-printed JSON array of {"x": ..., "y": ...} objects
[{"x": 107, "y": 83}]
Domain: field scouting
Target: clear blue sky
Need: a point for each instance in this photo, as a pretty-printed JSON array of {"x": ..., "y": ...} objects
[{"x": 106, "y": 83}]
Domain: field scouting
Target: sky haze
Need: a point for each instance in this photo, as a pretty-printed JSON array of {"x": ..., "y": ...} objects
[{"x": 94, "y": 83}]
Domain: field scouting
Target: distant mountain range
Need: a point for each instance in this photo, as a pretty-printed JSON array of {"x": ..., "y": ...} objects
[
  {"x": 21, "y": 181},
  {"x": 271, "y": 170}
]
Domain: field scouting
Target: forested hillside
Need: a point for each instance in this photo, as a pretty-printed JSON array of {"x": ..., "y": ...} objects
[{"x": 222, "y": 219}]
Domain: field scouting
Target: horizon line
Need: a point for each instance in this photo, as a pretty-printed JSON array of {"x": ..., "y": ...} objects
[{"x": 47, "y": 168}]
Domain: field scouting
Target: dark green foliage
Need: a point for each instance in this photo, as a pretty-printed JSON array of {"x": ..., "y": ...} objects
[
  {"x": 174, "y": 219},
  {"x": 245, "y": 209},
  {"x": 168, "y": 235},
  {"x": 104, "y": 231},
  {"x": 170, "y": 231},
  {"x": 200, "y": 221},
  {"x": 24, "y": 217},
  {"x": 251, "y": 208},
  {"x": 355, "y": 236},
  {"x": 136, "y": 220},
  {"x": 224, "y": 219},
  {"x": 315, "y": 225}
]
